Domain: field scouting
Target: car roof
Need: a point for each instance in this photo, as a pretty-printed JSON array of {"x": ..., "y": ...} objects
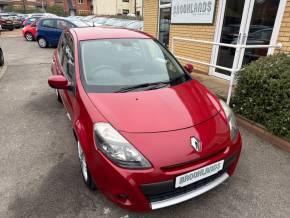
[{"x": 90, "y": 33}]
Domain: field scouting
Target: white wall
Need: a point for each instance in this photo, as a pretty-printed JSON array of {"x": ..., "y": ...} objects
[{"x": 114, "y": 7}]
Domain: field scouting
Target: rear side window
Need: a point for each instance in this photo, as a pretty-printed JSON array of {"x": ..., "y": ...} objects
[
  {"x": 60, "y": 49},
  {"x": 48, "y": 23},
  {"x": 66, "y": 55},
  {"x": 62, "y": 24}
]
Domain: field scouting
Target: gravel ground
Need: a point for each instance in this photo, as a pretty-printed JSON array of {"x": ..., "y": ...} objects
[{"x": 40, "y": 175}]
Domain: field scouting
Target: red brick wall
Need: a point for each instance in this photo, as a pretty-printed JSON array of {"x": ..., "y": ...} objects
[{"x": 81, "y": 9}]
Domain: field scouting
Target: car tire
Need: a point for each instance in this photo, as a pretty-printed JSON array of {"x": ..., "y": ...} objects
[
  {"x": 1, "y": 58},
  {"x": 58, "y": 96},
  {"x": 84, "y": 169},
  {"x": 42, "y": 42},
  {"x": 12, "y": 28},
  {"x": 28, "y": 36}
]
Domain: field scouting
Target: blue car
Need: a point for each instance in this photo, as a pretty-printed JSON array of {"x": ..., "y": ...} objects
[{"x": 49, "y": 30}]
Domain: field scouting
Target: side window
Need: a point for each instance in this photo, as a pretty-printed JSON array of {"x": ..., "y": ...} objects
[
  {"x": 61, "y": 24},
  {"x": 48, "y": 23},
  {"x": 68, "y": 57},
  {"x": 60, "y": 49}
]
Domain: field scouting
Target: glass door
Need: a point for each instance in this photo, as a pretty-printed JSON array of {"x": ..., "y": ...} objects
[
  {"x": 246, "y": 21},
  {"x": 164, "y": 21},
  {"x": 164, "y": 25}
]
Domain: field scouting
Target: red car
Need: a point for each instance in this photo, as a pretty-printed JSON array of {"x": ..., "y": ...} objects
[
  {"x": 29, "y": 32},
  {"x": 148, "y": 135}
]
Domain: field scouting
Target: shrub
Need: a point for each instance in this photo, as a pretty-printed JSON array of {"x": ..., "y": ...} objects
[
  {"x": 262, "y": 93},
  {"x": 56, "y": 9}
]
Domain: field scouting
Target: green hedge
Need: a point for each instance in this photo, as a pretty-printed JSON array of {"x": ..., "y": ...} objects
[{"x": 262, "y": 93}]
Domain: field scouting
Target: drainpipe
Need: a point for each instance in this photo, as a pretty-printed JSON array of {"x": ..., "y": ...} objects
[{"x": 24, "y": 6}]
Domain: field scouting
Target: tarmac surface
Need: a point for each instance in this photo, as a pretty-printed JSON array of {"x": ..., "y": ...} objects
[{"x": 40, "y": 173}]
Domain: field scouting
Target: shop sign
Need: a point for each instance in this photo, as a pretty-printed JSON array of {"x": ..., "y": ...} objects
[{"x": 192, "y": 11}]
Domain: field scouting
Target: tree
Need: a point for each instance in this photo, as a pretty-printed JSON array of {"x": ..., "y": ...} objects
[{"x": 56, "y": 9}]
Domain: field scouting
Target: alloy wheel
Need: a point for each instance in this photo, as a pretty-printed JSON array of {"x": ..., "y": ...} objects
[
  {"x": 28, "y": 36},
  {"x": 42, "y": 42}
]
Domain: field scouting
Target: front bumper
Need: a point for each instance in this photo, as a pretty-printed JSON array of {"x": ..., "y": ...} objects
[
  {"x": 145, "y": 190},
  {"x": 165, "y": 194},
  {"x": 190, "y": 194}
]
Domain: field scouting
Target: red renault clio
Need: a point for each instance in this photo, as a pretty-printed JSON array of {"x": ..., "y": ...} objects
[{"x": 148, "y": 135}]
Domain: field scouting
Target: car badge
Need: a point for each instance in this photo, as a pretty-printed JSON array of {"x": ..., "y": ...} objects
[{"x": 196, "y": 144}]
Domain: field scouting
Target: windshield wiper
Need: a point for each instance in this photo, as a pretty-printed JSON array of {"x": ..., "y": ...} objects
[{"x": 147, "y": 86}]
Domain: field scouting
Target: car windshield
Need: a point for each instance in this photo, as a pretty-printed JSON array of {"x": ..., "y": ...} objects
[{"x": 109, "y": 65}]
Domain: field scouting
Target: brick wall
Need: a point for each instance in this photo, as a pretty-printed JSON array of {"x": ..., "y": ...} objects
[
  {"x": 151, "y": 16},
  {"x": 199, "y": 52},
  {"x": 81, "y": 9},
  {"x": 188, "y": 50},
  {"x": 284, "y": 34}
]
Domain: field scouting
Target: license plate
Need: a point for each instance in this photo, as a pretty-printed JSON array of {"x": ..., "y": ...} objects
[{"x": 199, "y": 174}]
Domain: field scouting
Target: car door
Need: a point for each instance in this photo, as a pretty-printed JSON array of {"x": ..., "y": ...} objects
[{"x": 47, "y": 29}]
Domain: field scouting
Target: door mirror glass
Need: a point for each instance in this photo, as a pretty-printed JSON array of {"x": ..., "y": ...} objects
[
  {"x": 189, "y": 68},
  {"x": 58, "y": 82}
]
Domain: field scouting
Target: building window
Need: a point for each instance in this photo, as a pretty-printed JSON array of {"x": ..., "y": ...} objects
[
  {"x": 164, "y": 2},
  {"x": 125, "y": 0},
  {"x": 80, "y": 1},
  {"x": 125, "y": 11}
]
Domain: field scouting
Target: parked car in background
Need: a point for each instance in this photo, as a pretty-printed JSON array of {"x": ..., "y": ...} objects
[
  {"x": 138, "y": 25},
  {"x": 22, "y": 16},
  {"x": 16, "y": 21},
  {"x": 35, "y": 16},
  {"x": 148, "y": 135},
  {"x": 29, "y": 31},
  {"x": 111, "y": 22},
  {"x": 88, "y": 18},
  {"x": 99, "y": 21},
  {"x": 6, "y": 23},
  {"x": 29, "y": 20},
  {"x": 1, "y": 57},
  {"x": 124, "y": 23},
  {"x": 48, "y": 30}
]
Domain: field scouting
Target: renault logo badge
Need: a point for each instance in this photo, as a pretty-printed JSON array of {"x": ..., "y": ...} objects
[{"x": 196, "y": 144}]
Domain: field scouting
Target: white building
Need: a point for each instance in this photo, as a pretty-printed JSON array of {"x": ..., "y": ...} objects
[{"x": 118, "y": 7}]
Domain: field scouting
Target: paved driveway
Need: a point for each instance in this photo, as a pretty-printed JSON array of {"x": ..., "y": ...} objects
[{"x": 40, "y": 176}]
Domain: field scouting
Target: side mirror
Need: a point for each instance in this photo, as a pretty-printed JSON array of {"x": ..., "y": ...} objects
[
  {"x": 58, "y": 82},
  {"x": 189, "y": 68}
]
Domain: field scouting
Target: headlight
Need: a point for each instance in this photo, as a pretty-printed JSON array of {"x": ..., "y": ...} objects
[
  {"x": 232, "y": 120},
  {"x": 117, "y": 148}
]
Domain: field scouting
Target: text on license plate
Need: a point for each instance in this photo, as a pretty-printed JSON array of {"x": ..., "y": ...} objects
[{"x": 199, "y": 174}]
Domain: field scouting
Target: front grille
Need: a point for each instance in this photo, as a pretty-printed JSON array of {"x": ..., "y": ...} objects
[{"x": 165, "y": 190}]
